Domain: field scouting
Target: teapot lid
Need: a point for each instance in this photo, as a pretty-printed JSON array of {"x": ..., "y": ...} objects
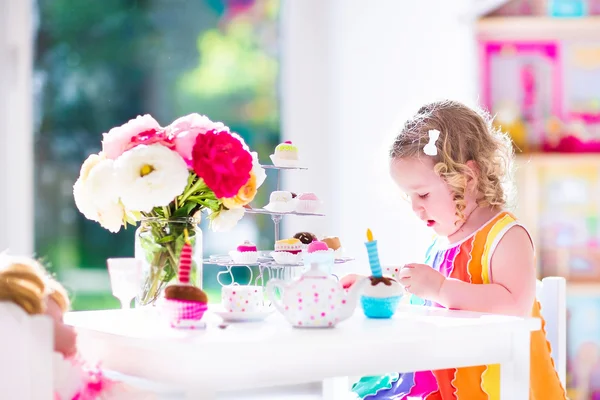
[{"x": 315, "y": 272}]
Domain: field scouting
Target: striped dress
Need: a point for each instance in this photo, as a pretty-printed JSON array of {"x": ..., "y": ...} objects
[{"x": 469, "y": 261}]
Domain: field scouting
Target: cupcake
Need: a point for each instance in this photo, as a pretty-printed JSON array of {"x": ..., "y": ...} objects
[
  {"x": 281, "y": 201},
  {"x": 293, "y": 246},
  {"x": 308, "y": 203},
  {"x": 305, "y": 237},
  {"x": 381, "y": 297},
  {"x": 185, "y": 305},
  {"x": 285, "y": 155},
  {"x": 318, "y": 253},
  {"x": 246, "y": 253},
  {"x": 333, "y": 242},
  {"x": 287, "y": 251}
]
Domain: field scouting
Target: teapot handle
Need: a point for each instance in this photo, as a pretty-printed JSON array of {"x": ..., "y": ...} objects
[{"x": 271, "y": 286}]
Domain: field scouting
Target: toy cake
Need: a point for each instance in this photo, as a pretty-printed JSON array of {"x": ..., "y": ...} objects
[
  {"x": 288, "y": 251},
  {"x": 308, "y": 203},
  {"x": 285, "y": 155},
  {"x": 305, "y": 237},
  {"x": 185, "y": 303},
  {"x": 245, "y": 253},
  {"x": 281, "y": 201},
  {"x": 382, "y": 295}
]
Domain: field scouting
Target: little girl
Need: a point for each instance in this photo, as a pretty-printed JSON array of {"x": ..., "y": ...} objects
[
  {"x": 25, "y": 283},
  {"x": 454, "y": 168}
]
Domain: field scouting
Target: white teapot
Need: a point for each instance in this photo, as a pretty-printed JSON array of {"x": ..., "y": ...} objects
[{"x": 315, "y": 299}]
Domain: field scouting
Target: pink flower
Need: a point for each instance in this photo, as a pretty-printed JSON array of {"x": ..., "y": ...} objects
[
  {"x": 119, "y": 139},
  {"x": 221, "y": 160},
  {"x": 152, "y": 136},
  {"x": 186, "y": 129}
]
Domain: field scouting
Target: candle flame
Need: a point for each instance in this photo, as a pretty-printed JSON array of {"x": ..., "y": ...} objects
[
  {"x": 369, "y": 235},
  {"x": 186, "y": 236}
]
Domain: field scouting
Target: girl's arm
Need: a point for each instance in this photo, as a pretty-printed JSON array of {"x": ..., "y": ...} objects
[{"x": 513, "y": 277}]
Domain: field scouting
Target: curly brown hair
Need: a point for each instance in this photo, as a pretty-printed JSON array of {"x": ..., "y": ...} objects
[{"x": 466, "y": 134}]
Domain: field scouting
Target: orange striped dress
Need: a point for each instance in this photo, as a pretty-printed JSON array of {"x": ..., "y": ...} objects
[{"x": 469, "y": 261}]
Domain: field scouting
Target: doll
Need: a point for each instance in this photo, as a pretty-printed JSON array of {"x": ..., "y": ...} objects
[{"x": 25, "y": 283}]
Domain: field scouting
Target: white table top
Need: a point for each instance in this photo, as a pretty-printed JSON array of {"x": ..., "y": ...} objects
[{"x": 244, "y": 355}]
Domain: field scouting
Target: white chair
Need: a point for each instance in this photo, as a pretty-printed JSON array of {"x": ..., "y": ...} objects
[
  {"x": 552, "y": 295},
  {"x": 26, "y": 347}
]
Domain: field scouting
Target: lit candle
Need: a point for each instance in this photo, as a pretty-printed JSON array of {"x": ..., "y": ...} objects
[
  {"x": 185, "y": 260},
  {"x": 373, "y": 255}
]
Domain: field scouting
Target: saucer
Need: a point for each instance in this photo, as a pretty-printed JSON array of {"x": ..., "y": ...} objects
[
  {"x": 238, "y": 316},
  {"x": 188, "y": 324}
]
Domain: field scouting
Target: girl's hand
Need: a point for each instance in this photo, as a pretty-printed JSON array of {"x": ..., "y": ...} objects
[
  {"x": 421, "y": 280},
  {"x": 350, "y": 280}
]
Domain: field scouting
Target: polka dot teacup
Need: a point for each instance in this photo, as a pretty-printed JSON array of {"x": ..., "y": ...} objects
[{"x": 237, "y": 298}]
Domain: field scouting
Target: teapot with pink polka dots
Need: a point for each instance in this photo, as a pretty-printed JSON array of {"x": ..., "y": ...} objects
[{"x": 315, "y": 299}]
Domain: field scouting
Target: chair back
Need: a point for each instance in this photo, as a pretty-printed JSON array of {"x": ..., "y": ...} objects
[
  {"x": 26, "y": 348},
  {"x": 552, "y": 295}
]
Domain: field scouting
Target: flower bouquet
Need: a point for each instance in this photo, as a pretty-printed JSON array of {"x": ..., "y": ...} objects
[{"x": 164, "y": 178}]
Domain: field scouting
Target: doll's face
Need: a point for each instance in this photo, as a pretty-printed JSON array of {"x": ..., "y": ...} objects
[{"x": 65, "y": 338}]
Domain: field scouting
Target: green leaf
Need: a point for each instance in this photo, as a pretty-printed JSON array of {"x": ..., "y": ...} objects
[{"x": 166, "y": 239}]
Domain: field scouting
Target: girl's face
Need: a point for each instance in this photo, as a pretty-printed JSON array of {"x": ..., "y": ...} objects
[
  {"x": 65, "y": 338},
  {"x": 429, "y": 195}
]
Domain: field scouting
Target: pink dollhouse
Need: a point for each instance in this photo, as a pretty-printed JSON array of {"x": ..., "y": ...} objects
[{"x": 540, "y": 77}]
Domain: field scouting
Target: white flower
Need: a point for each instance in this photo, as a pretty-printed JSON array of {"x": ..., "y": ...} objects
[
  {"x": 259, "y": 172},
  {"x": 225, "y": 220},
  {"x": 150, "y": 176},
  {"x": 96, "y": 193}
]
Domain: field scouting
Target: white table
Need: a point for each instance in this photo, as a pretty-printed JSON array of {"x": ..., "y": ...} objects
[{"x": 269, "y": 353}]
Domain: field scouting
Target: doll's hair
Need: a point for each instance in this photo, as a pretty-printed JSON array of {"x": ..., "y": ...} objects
[
  {"x": 465, "y": 134},
  {"x": 24, "y": 281}
]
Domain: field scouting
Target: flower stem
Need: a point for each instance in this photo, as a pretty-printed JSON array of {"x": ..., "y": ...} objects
[{"x": 195, "y": 187}]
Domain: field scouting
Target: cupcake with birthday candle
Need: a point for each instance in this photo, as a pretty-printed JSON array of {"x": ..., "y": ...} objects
[
  {"x": 285, "y": 155},
  {"x": 382, "y": 296},
  {"x": 185, "y": 304}
]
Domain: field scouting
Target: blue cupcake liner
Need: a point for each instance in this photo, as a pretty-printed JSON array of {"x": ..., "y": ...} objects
[{"x": 375, "y": 307}]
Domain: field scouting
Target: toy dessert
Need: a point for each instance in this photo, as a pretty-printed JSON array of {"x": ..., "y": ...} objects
[
  {"x": 308, "y": 203},
  {"x": 318, "y": 253},
  {"x": 245, "y": 253},
  {"x": 185, "y": 303},
  {"x": 333, "y": 242},
  {"x": 281, "y": 201},
  {"x": 381, "y": 295},
  {"x": 287, "y": 251},
  {"x": 305, "y": 237},
  {"x": 293, "y": 246},
  {"x": 285, "y": 155}
]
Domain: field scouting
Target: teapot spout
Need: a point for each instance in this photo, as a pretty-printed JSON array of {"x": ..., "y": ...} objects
[{"x": 352, "y": 297}]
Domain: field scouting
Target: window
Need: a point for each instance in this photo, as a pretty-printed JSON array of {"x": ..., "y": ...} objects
[{"x": 99, "y": 64}]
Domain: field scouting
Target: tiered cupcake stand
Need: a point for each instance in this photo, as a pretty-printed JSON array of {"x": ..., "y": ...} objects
[{"x": 267, "y": 267}]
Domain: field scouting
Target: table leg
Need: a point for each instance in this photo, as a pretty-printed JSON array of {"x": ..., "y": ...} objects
[
  {"x": 514, "y": 375},
  {"x": 336, "y": 388}
]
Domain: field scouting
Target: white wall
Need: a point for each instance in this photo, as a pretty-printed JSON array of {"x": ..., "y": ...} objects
[
  {"x": 16, "y": 126},
  {"x": 352, "y": 71}
]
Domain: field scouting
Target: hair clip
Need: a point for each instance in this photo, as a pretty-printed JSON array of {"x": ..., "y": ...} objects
[{"x": 430, "y": 149}]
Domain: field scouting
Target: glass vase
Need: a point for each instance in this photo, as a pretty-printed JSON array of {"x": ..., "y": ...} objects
[{"x": 158, "y": 244}]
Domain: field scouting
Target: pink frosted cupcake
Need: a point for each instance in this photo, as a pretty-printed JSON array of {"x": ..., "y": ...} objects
[
  {"x": 308, "y": 203},
  {"x": 246, "y": 253}
]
